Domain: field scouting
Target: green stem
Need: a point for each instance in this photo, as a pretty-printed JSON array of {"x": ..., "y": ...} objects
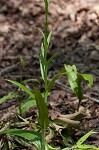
[
  {"x": 46, "y": 46},
  {"x": 46, "y": 68},
  {"x": 43, "y": 140},
  {"x": 45, "y": 96},
  {"x": 46, "y": 19}
]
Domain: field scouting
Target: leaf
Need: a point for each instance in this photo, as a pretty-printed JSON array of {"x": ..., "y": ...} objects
[
  {"x": 88, "y": 78},
  {"x": 22, "y": 87},
  {"x": 42, "y": 109},
  {"x": 41, "y": 32},
  {"x": 51, "y": 58},
  {"x": 42, "y": 56},
  {"x": 49, "y": 37},
  {"x": 30, "y": 102},
  {"x": 74, "y": 80},
  {"x": 89, "y": 147},
  {"x": 42, "y": 62},
  {"x": 83, "y": 139},
  {"x": 51, "y": 83},
  {"x": 29, "y": 80},
  {"x": 27, "y": 134},
  {"x": 71, "y": 71},
  {"x": 7, "y": 97}
]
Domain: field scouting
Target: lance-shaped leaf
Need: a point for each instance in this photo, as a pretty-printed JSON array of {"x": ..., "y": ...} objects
[
  {"x": 49, "y": 37},
  {"x": 42, "y": 56},
  {"x": 27, "y": 134},
  {"x": 42, "y": 109},
  {"x": 42, "y": 62},
  {"x": 83, "y": 139},
  {"x": 51, "y": 83},
  {"x": 51, "y": 58},
  {"x": 74, "y": 80},
  {"x": 21, "y": 86}
]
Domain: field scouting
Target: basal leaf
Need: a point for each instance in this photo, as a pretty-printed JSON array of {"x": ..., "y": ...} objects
[
  {"x": 27, "y": 134},
  {"x": 22, "y": 87},
  {"x": 42, "y": 109}
]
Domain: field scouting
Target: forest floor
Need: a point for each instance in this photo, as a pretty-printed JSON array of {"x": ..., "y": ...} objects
[{"x": 75, "y": 25}]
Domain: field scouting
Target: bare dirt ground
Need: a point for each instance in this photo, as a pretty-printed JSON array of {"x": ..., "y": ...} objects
[{"x": 75, "y": 25}]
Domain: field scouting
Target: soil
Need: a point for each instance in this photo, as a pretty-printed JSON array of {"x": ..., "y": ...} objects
[{"x": 75, "y": 25}]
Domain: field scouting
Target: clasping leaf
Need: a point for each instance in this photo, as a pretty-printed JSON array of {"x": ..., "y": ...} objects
[{"x": 42, "y": 109}]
